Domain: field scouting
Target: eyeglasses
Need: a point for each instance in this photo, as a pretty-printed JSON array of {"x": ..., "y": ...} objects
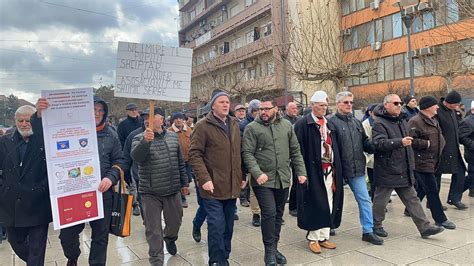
[
  {"x": 266, "y": 109},
  {"x": 23, "y": 120},
  {"x": 397, "y": 103},
  {"x": 348, "y": 102}
]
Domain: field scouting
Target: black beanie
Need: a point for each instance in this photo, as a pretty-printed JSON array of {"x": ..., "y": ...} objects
[
  {"x": 453, "y": 97},
  {"x": 408, "y": 98},
  {"x": 427, "y": 102}
]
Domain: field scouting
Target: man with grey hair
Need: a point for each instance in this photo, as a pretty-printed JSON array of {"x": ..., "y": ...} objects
[
  {"x": 352, "y": 143},
  {"x": 25, "y": 209},
  {"x": 394, "y": 164},
  {"x": 247, "y": 193}
]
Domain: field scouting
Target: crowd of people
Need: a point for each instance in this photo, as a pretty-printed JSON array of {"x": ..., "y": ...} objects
[{"x": 257, "y": 154}]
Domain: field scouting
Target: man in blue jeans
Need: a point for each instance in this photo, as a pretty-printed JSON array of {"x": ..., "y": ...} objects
[
  {"x": 215, "y": 159},
  {"x": 353, "y": 142}
]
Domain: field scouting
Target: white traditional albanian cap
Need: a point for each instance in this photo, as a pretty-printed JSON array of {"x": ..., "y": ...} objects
[{"x": 319, "y": 97}]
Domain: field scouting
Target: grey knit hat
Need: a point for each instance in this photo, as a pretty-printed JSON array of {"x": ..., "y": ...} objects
[{"x": 253, "y": 105}]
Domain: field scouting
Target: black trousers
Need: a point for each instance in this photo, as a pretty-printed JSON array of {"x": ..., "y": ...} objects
[
  {"x": 100, "y": 237},
  {"x": 272, "y": 205},
  {"x": 294, "y": 184},
  {"x": 459, "y": 183},
  {"x": 428, "y": 183},
  {"x": 29, "y": 243},
  {"x": 370, "y": 174}
]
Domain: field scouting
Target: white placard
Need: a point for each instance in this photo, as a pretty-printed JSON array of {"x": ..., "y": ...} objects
[
  {"x": 72, "y": 157},
  {"x": 153, "y": 72}
]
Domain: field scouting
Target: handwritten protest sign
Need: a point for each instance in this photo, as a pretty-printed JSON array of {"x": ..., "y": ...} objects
[{"x": 153, "y": 72}]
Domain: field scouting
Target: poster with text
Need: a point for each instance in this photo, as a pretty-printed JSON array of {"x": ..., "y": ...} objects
[
  {"x": 72, "y": 157},
  {"x": 153, "y": 72}
]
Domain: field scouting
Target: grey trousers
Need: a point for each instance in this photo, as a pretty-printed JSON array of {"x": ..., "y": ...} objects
[
  {"x": 409, "y": 199},
  {"x": 172, "y": 210}
]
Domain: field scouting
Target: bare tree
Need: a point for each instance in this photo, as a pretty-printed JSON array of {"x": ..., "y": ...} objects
[{"x": 314, "y": 46}]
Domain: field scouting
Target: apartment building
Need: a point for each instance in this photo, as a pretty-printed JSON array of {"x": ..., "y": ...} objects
[
  {"x": 374, "y": 42},
  {"x": 235, "y": 46}
]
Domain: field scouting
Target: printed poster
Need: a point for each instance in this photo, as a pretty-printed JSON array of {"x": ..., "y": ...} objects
[{"x": 72, "y": 157}]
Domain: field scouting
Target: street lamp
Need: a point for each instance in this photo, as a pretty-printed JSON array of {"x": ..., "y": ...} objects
[{"x": 408, "y": 21}]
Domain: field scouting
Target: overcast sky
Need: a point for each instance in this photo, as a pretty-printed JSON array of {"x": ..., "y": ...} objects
[{"x": 56, "y": 44}]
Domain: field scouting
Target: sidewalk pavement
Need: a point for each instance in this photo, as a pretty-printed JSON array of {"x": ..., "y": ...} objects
[{"x": 403, "y": 246}]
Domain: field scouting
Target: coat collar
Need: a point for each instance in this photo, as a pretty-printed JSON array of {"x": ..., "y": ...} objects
[{"x": 176, "y": 129}]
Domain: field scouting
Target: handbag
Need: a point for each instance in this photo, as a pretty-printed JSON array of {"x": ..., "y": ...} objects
[{"x": 120, "y": 222}]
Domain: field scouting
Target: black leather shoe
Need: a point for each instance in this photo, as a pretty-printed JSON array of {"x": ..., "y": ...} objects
[
  {"x": 196, "y": 234},
  {"x": 256, "y": 220},
  {"x": 293, "y": 213},
  {"x": 280, "y": 258},
  {"x": 270, "y": 258},
  {"x": 236, "y": 217},
  {"x": 447, "y": 224},
  {"x": 445, "y": 208},
  {"x": 171, "y": 247},
  {"x": 379, "y": 231},
  {"x": 372, "y": 238},
  {"x": 136, "y": 210},
  {"x": 244, "y": 203},
  {"x": 71, "y": 263},
  {"x": 431, "y": 230},
  {"x": 471, "y": 192},
  {"x": 332, "y": 232},
  {"x": 459, "y": 205}
]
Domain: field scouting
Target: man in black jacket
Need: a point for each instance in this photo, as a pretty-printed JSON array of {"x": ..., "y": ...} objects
[
  {"x": 25, "y": 208},
  {"x": 451, "y": 161},
  {"x": 162, "y": 176},
  {"x": 129, "y": 124},
  {"x": 110, "y": 153},
  {"x": 393, "y": 166},
  {"x": 352, "y": 142},
  {"x": 466, "y": 136}
]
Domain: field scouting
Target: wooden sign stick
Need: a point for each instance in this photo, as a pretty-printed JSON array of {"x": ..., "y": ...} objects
[{"x": 151, "y": 116}]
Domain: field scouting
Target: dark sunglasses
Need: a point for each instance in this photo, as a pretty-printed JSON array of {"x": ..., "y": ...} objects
[
  {"x": 397, "y": 103},
  {"x": 348, "y": 102}
]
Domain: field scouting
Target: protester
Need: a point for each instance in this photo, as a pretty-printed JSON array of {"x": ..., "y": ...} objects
[
  {"x": 291, "y": 114},
  {"x": 247, "y": 193},
  {"x": 451, "y": 161},
  {"x": 466, "y": 136},
  {"x": 25, "y": 208},
  {"x": 320, "y": 203},
  {"x": 367, "y": 124},
  {"x": 163, "y": 177},
  {"x": 428, "y": 143},
  {"x": 239, "y": 112},
  {"x": 410, "y": 107},
  {"x": 214, "y": 156},
  {"x": 190, "y": 121},
  {"x": 130, "y": 123},
  {"x": 352, "y": 142},
  {"x": 110, "y": 153},
  {"x": 269, "y": 144},
  {"x": 125, "y": 127},
  {"x": 460, "y": 112},
  {"x": 393, "y": 166},
  {"x": 179, "y": 127}
]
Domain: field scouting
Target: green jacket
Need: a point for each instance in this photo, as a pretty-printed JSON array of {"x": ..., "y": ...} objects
[{"x": 268, "y": 148}]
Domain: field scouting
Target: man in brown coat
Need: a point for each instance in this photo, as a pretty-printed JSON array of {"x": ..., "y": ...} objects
[
  {"x": 428, "y": 143},
  {"x": 215, "y": 158}
]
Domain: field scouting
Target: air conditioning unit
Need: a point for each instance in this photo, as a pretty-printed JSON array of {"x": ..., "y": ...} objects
[
  {"x": 410, "y": 10},
  {"x": 426, "y": 51},
  {"x": 425, "y": 6},
  {"x": 347, "y": 32},
  {"x": 376, "y": 46},
  {"x": 375, "y": 5},
  {"x": 414, "y": 54},
  {"x": 202, "y": 23},
  {"x": 242, "y": 65}
]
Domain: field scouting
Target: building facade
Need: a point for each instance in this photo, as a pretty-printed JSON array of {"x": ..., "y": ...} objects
[{"x": 235, "y": 46}]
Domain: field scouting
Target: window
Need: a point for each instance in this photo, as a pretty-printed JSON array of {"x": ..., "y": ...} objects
[
  {"x": 355, "y": 38},
  {"x": 364, "y": 72},
  {"x": 249, "y": 2},
  {"x": 347, "y": 42},
  {"x": 235, "y": 10},
  {"x": 270, "y": 69},
  {"x": 388, "y": 68},
  {"x": 417, "y": 25},
  {"x": 212, "y": 54},
  {"x": 398, "y": 63},
  {"x": 355, "y": 72},
  {"x": 378, "y": 30},
  {"x": 418, "y": 66},
  {"x": 430, "y": 64},
  {"x": 452, "y": 11},
  {"x": 381, "y": 70},
  {"x": 387, "y": 28},
  {"x": 252, "y": 73},
  {"x": 362, "y": 30},
  {"x": 192, "y": 14},
  {"x": 250, "y": 36},
  {"x": 353, "y": 5},
  {"x": 236, "y": 43},
  {"x": 256, "y": 33},
  {"x": 227, "y": 80},
  {"x": 360, "y": 4},
  {"x": 371, "y": 32},
  {"x": 397, "y": 25},
  {"x": 345, "y": 7},
  {"x": 428, "y": 20},
  {"x": 267, "y": 29},
  {"x": 407, "y": 64}
]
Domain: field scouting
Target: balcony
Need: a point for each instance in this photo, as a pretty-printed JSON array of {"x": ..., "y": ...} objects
[
  {"x": 239, "y": 21},
  {"x": 212, "y": 7},
  {"x": 250, "y": 50}
]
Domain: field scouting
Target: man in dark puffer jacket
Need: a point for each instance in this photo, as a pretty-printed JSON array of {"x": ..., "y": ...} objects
[
  {"x": 393, "y": 166},
  {"x": 162, "y": 175}
]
